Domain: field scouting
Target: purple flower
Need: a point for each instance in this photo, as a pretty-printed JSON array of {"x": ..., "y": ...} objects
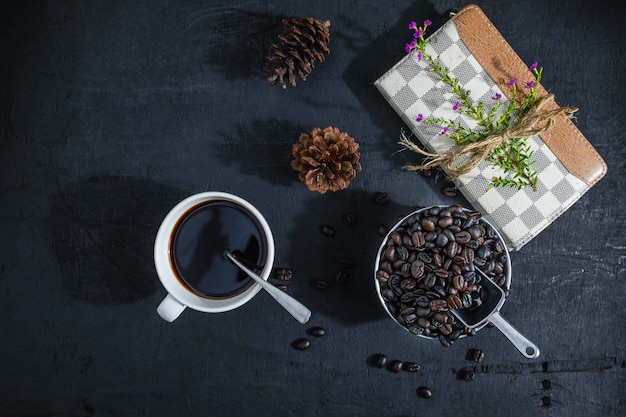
[
  {"x": 533, "y": 66},
  {"x": 456, "y": 106},
  {"x": 418, "y": 33},
  {"x": 530, "y": 84},
  {"x": 419, "y": 55},
  {"x": 498, "y": 96},
  {"x": 427, "y": 22},
  {"x": 413, "y": 25},
  {"x": 444, "y": 131},
  {"x": 419, "y": 118},
  {"x": 409, "y": 46},
  {"x": 512, "y": 82}
]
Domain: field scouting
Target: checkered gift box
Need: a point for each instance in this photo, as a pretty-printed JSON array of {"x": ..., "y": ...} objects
[{"x": 411, "y": 89}]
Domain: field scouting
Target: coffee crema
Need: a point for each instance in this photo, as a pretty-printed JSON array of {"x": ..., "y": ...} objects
[{"x": 199, "y": 240}]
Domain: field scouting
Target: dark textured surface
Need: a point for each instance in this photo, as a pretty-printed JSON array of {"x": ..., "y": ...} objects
[{"x": 111, "y": 112}]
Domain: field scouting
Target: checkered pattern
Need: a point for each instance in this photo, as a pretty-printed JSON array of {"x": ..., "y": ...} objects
[{"x": 411, "y": 89}]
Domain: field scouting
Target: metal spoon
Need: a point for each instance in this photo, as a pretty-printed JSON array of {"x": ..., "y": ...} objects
[
  {"x": 489, "y": 311},
  {"x": 293, "y": 306}
]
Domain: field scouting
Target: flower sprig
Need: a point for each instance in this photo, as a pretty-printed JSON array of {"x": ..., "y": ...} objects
[{"x": 510, "y": 153}]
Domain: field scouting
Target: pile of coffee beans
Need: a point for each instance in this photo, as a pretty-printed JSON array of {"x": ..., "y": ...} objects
[{"x": 427, "y": 266}]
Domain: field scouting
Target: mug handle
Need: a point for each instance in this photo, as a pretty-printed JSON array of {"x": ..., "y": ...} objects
[{"x": 170, "y": 308}]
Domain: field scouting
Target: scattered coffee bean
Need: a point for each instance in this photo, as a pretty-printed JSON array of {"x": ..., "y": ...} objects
[
  {"x": 545, "y": 401},
  {"x": 346, "y": 263},
  {"x": 425, "y": 392},
  {"x": 350, "y": 217},
  {"x": 379, "y": 360},
  {"x": 449, "y": 191},
  {"x": 302, "y": 344},
  {"x": 478, "y": 355},
  {"x": 428, "y": 264},
  {"x": 382, "y": 230},
  {"x": 283, "y": 274},
  {"x": 317, "y": 331},
  {"x": 381, "y": 198},
  {"x": 320, "y": 284},
  {"x": 341, "y": 277},
  {"x": 468, "y": 376},
  {"x": 395, "y": 366},
  {"x": 327, "y": 230},
  {"x": 412, "y": 367}
]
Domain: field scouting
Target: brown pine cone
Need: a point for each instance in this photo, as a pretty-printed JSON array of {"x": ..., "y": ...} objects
[
  {"x": 326, "y": 159},
  {"x": 304, "y": 43}
]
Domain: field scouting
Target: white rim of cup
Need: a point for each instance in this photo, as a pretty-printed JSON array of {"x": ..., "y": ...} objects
[
  {"x": 395, "y": 226},
  {"x": 163, "y": 265}
]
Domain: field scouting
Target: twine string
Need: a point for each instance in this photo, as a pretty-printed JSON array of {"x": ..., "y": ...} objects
[{"x": 534, "y": 122}]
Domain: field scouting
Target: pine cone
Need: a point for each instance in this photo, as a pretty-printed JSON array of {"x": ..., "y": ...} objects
[
  {"x": 304, "y": 43},
  {"x": 326, "y": 159}
]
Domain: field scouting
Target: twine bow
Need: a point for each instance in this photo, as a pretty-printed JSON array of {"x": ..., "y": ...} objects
[{"x": 535, "y": 121}]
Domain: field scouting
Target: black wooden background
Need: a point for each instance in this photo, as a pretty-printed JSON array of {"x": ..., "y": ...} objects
[{"x": 111, "y": 112}]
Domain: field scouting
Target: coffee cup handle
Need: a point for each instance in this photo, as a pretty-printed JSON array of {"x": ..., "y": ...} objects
[{"x": 170, "y": 308}]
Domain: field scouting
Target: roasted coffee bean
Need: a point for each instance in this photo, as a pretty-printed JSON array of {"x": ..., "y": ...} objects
[
  {"x": 441, "y": 240},
  {"x": 545, "y": 384},
  {"x": 302, "y": 344},
  {"x": 412, "y": 367},
  {"x": 388, "y": 294},
  {"x": 456, "y": 333},
  {"x": 545, "y": 402},
  {"x": 437, "y": 304},
  {"x": 445, "y": 221},
  {"x": 458, "y": 282},
  {"x": 478, "y": 355},
  {"x": 449, "y": 191},
  {"x": 417, "y": 269},
  {"x": 327, "y": 230},
  {"x": 382, "y": 230},
  {"x": 320, "y": 284},
  {"x": 283, "y": 274},
  {"x": 468, "y": 376},
  {"x": 424, "y": 392},
  {"x": 452, "y": 249},
  {"x": 428, "y": 224},
  {"x": 418, "y": 239},
  {"x": 350, "y": 217},
  {"x": 403, "y": 253},
  {"x": 381, "y": 198},
  {"x": 429, "y": 280},
  {"x": 462, "y": 237},
  {"x": 408, "y": 284},
  {"x": 395, "y": 365},
  {"x": 423, "y": 322},
  {"x": 317, "y": 331},
  {"x": 444, "y": 340},
  {"x": 445, "y": 329},
  {"x": 441, "y": 317},
  {"x": 390, "y": 253},
  {"x": 346, "y": 263},
  {"x": 382, "y": 276},
  {"x": 379, "y": 360},
  {"x": 283, "y": 288},
  {"x": 341, "y": 277}
]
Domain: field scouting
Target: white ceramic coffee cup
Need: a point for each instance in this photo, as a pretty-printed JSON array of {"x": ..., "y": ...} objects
[{"x": 179, "y": 295}]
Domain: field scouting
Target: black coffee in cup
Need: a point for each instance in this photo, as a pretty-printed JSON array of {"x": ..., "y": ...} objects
[{"x": 201, "y": 237}]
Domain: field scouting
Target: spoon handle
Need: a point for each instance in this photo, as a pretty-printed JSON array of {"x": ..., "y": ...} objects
[
  {"x": 293, "y": 306},
  {"x": 525, "y": 346}
]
